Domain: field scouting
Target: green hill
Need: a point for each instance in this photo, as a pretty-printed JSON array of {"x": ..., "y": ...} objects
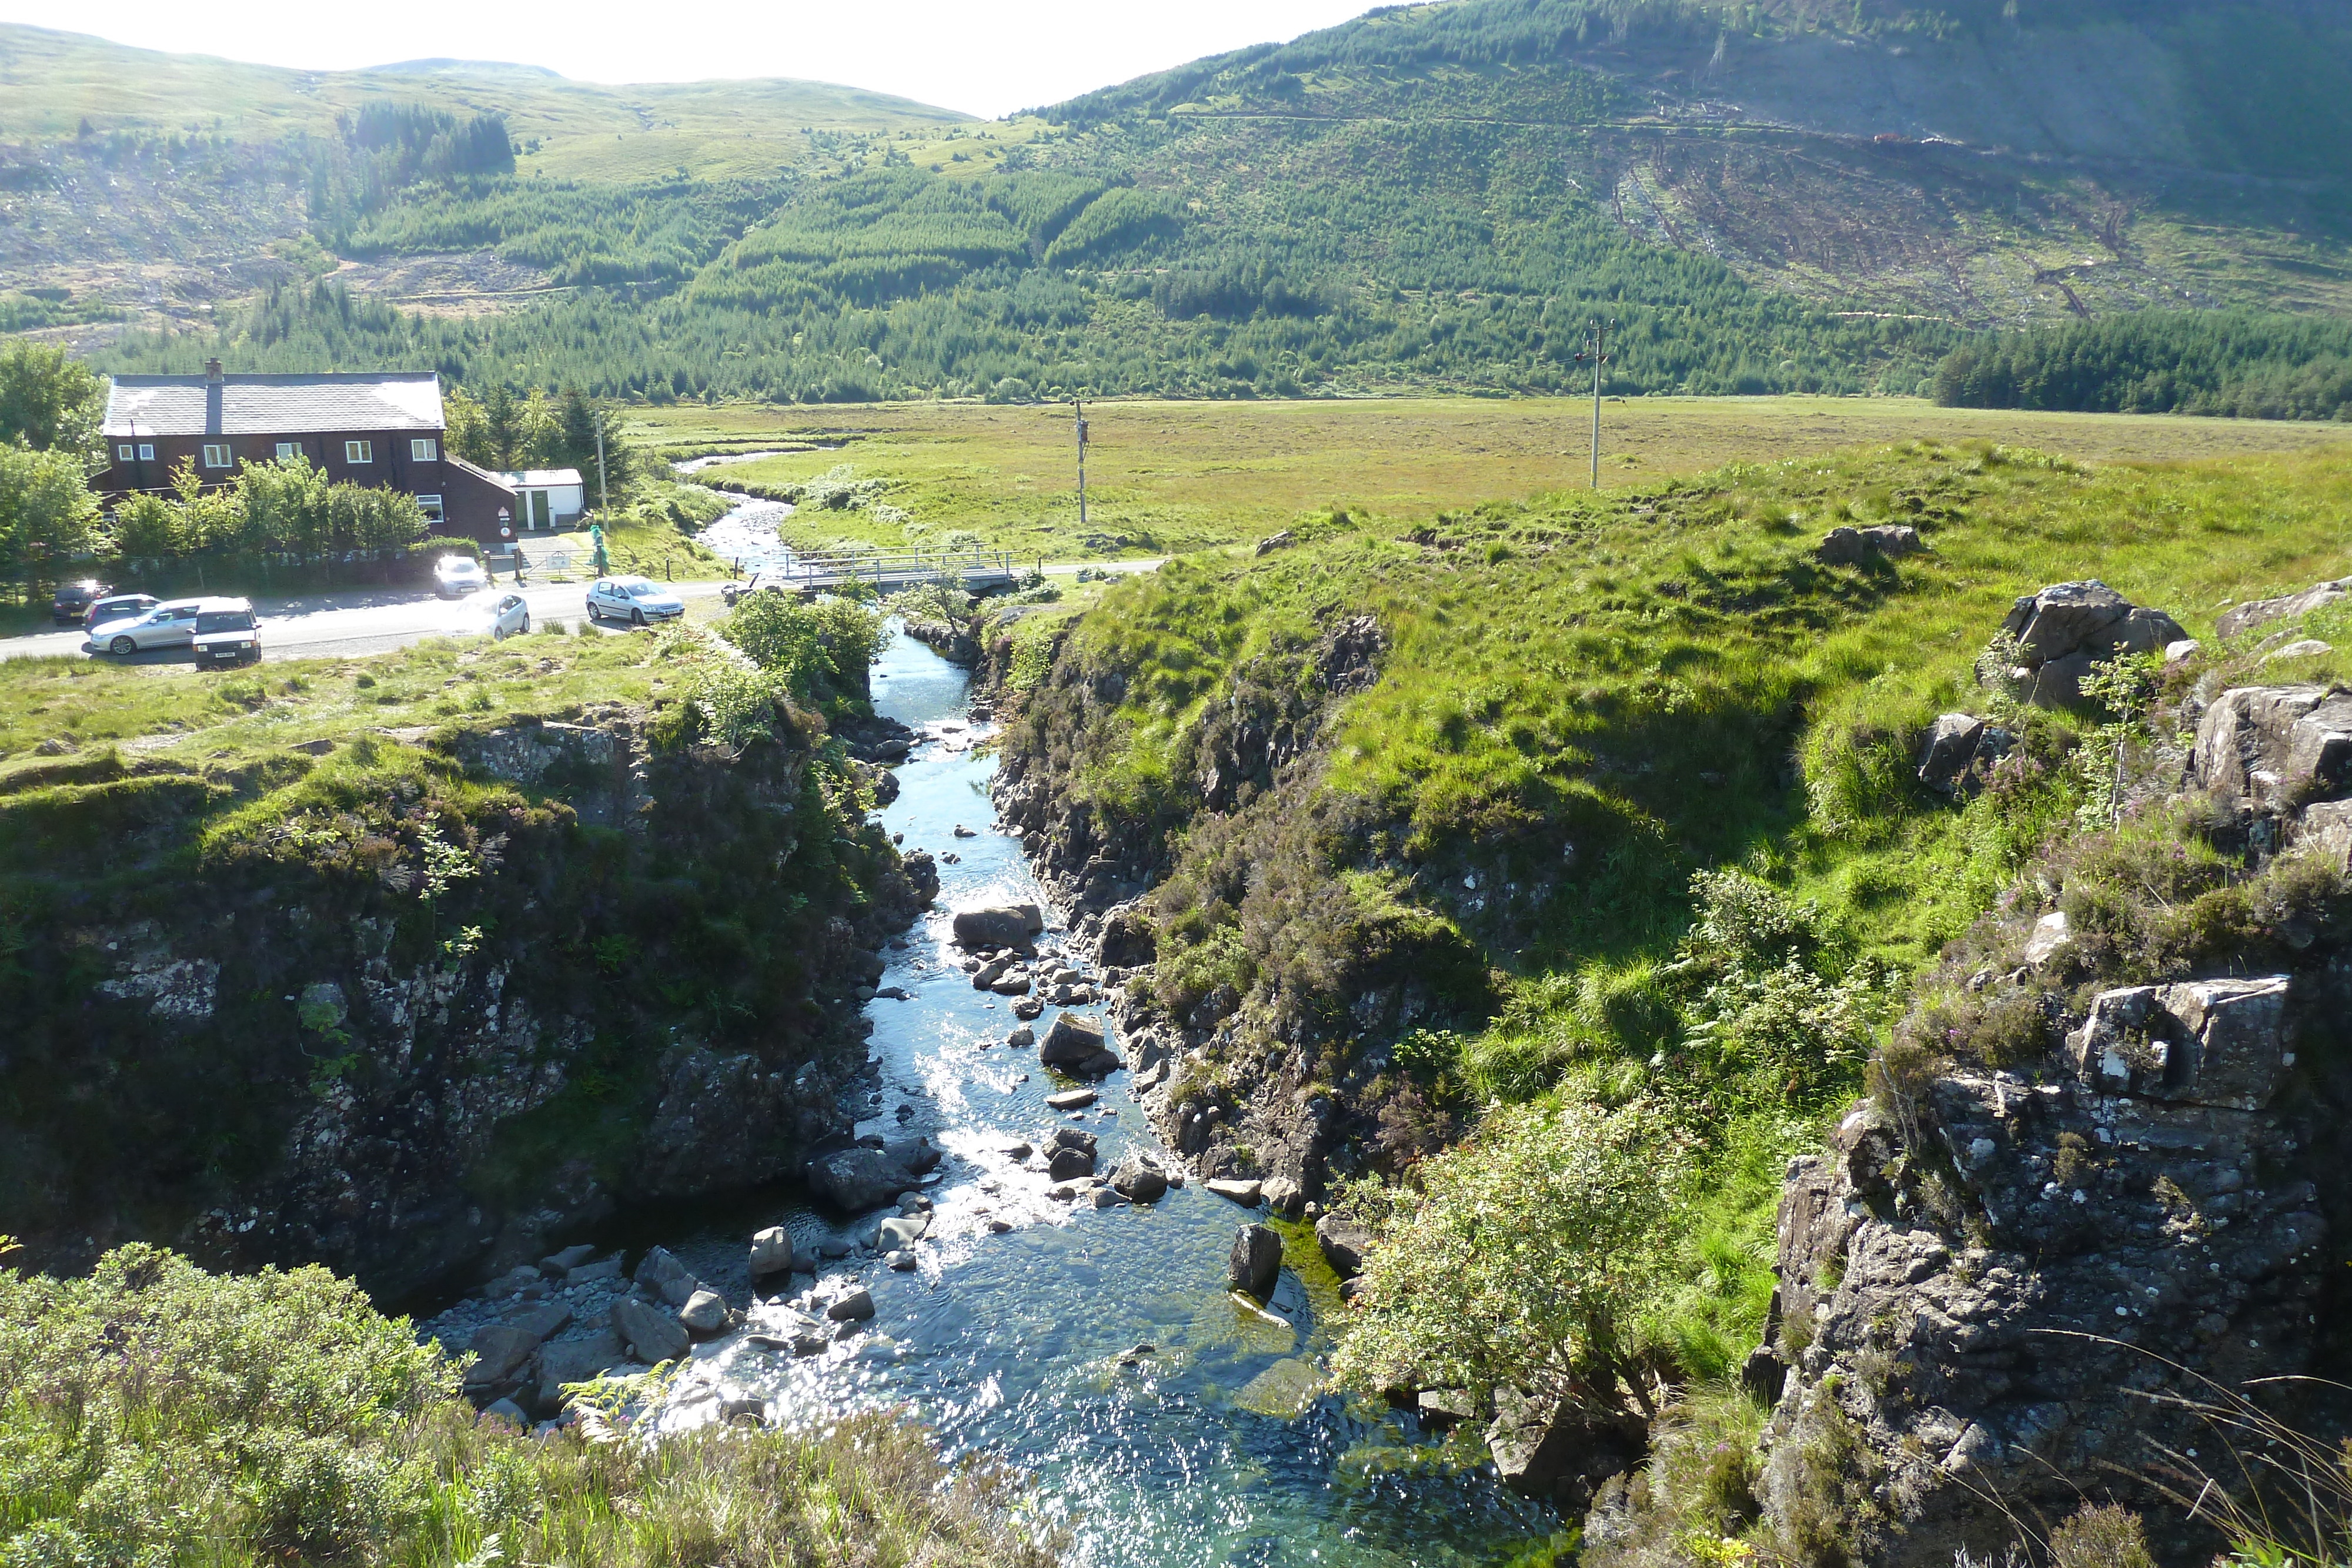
[{"x": 1766, "y": 197}]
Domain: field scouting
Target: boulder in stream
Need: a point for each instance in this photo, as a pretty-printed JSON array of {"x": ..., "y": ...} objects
[
  {"x": 998, "y": 925},
  {"x": 704, "y": 1312},
  {"x": 861, "y": 1178},
  {"x": 656, "y": 1336},
  {"x": 1075, "y": 1044},
  {"x": 1139, "y": 1178},
  {"x": 1256, "y": 1261},
  {"x": 1344, "y": 1242}
]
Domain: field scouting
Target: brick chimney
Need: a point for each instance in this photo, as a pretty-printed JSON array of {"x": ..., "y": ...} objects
[{"x": 213, "y": 371}]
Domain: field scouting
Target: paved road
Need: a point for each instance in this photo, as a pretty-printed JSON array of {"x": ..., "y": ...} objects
[{"x": 350, "y": 622}]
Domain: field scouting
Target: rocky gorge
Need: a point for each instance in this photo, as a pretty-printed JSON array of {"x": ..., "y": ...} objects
[
  {"x": 2097, "y": 1181},
  {"x": 451, "y": 997}
]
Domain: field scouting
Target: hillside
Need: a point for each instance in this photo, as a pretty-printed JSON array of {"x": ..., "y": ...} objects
[{"x": 1766, "y": 197}]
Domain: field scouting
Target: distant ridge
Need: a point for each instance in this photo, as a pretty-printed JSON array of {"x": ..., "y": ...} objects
[{"x": 449, "y": 67}]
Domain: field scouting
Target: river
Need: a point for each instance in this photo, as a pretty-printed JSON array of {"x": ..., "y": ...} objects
[{"x": 1220, "y": 1445}]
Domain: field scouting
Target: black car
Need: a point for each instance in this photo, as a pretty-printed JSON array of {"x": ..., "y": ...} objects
[
  {"x": 225, "y": 633},
  {"x": 72, "y": 606}
]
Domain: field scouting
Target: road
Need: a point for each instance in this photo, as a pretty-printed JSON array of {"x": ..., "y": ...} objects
[
  {"x": 347, "y": 624},
  {"x": 351, "y": 623}
]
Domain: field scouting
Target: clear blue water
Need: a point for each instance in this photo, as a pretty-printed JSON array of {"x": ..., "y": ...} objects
[{"x": 1220, "y": 1447}]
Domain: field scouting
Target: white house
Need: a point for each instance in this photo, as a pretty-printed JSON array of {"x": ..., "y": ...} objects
[{"x": 546, "y": 497}]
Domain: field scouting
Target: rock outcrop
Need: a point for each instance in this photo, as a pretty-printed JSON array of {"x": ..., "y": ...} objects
[
  {"x": 2263, "y": 611},
  {"x": 385, "y": 1065},
  {"x": 2002, "y": 1280},
  {"x": 2067, "y": 628}
]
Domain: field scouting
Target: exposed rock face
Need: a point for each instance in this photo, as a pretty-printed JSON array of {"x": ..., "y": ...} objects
[
  {"x": 1960, "y": 749},
  {"x": 954, "y": 643},
  {"x": 371, "y": 1075},
  {"x": 1952, "y": 1367},
  {"x": 2261, "y": 611},
  {"x": 1544, "y": 1451},
  {"x": 2205, "y": 1042},
  {"x": 2274, "y": 746},
  {"x": 1344, "y": 1242}
]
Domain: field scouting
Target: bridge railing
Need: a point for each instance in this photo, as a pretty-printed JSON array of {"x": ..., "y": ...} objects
[{"x": 881, "y": 566}]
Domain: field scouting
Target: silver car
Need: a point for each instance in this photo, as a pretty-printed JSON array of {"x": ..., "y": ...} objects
[
  {"x": 170, "y": 624},
  {"x": 635, "y": 599},
  {"x": 510, "y": 617}
]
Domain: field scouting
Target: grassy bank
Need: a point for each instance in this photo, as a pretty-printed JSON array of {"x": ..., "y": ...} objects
[
  {"x": 1626, "y": 833},
  {"x": 154, "y": 1413},
  {"x": 1167, "y": 478}
]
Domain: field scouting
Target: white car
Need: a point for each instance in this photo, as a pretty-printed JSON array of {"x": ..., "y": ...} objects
[
  {"x": 170, "y": 624},
  {"x": 456, "y": 576},
  {"x": 510, "y": 617},
  {"x": 227, "y": 633},
  {"x": 635, "y": 600}
]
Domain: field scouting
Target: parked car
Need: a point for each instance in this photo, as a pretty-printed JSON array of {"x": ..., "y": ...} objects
[
  {"x": 170, "y": 624},
  {"x": 227, "y": 633},
  {"x": 635, "y": 599},
  {"x": 71, "y": 605},
  {"x": 510, "y": 617},
  {"x": 120, "y": 607},
  {"x": 456, "y": 576}
]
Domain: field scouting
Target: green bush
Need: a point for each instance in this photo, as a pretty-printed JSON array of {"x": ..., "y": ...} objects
[
  {"x": 155, "y": 1413},
  {"x": 1526, "y": 1258},
  {"x": 819, "y": 651}
]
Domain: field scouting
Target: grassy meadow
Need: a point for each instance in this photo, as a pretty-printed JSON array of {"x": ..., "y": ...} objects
[{"x": 1171, "y": 478}]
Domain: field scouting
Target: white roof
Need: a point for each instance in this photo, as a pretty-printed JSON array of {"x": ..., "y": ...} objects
[
  {"x": 325, "y": 403},
  {"x": 540, "y": 478}
]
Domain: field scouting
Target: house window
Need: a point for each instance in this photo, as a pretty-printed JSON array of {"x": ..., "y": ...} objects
[
  {"x": 424, "y": 449},
  {"x": 288, "y": 449},
  {"x": 215, "y": 453},
  {"x": 431, "y": 507},
  {"x": 359, "y": 450},
  {"x": 122, "y": 452},
  {"x": 146, "y": 452}
]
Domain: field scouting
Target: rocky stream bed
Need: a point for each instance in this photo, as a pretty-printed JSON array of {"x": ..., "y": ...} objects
[{"x": 1008, "y": 1251}]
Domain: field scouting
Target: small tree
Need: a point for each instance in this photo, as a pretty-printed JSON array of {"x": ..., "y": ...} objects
[
  {"x": 1528, "y": 1258},
  {"x": 377, "y": 520},
  {"x": 48, "y": 518},
  {"x": 49, "y": 401},
  {"x": 468, "y": 429},
  {"x": 287, "y": 509},
  {"x": 575, "y": 443}
]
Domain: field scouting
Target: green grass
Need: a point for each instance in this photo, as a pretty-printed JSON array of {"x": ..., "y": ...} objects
[
  {"x": 223, "y": 719},
  {"x": 156, "y": 1413},
  {"x": 1584, "y": 702},
  {"x": 1168, "y": 477}
]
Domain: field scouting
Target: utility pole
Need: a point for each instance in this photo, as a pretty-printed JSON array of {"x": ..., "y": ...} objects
[
  {"x": 1596, "y": 349},
  {"x": 1079, "y": 410},
  {"x": 605, "y": 496}
]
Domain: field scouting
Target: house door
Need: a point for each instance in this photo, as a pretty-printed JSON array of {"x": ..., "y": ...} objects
[{"x": 542, "y": 516}]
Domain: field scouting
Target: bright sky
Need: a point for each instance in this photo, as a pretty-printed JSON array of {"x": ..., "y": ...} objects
[{"x": 985, "y": 59}]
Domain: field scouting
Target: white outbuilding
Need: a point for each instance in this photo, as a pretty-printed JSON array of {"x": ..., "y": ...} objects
[{"x": 546, "y": 498}]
